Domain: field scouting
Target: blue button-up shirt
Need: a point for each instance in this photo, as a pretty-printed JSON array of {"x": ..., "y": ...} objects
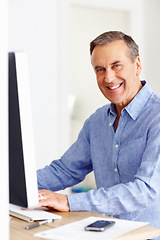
[{"x": 126, "y": 163}]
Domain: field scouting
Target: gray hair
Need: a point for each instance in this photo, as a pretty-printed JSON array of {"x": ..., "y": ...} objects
[{"x": 111, "y": 36}]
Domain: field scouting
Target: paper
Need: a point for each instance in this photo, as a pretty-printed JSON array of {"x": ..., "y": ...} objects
[{"x": 76, "y": 230}]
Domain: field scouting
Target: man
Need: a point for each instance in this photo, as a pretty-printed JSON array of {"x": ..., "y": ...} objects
[{"x": 120, "y": 142}]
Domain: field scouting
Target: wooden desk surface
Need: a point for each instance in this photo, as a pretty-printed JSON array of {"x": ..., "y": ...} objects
[{"x": 18, "y": 231}]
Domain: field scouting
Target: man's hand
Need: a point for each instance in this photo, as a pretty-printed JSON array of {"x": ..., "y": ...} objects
[{"x": 53, "y": 200}]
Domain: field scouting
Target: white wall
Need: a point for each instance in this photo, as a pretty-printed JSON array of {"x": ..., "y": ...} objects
[
  {"x": 152, "y": 43},
  {"x": 33, "y": 28}
]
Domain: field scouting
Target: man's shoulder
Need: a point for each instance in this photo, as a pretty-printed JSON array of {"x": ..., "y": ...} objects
[
  {"x": 102, "y": 111},
  {"x": 154, "y": 101},
  {"x": 152, "y": 108},
  {"x": 99, "y": 116},
  {"x": 155, "y": 98}
]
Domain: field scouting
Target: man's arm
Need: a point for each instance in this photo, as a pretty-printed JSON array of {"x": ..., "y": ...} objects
[{"x": 71, "y": 169}]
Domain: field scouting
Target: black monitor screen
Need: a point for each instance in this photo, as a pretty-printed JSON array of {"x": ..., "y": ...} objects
[{"x": 17, "y": 185}]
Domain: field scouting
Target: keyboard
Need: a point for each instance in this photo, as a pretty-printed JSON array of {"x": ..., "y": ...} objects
[{"x": 31, "y": 215}]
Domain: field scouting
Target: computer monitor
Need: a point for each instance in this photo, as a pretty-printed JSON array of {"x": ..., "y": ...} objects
[{"x": 23, "y": 190}]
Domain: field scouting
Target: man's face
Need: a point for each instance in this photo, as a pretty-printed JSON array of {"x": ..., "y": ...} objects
[{"x": 117, "y": 75}]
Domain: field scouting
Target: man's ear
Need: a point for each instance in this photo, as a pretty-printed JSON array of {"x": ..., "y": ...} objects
[{"x": 138, "y": 66}]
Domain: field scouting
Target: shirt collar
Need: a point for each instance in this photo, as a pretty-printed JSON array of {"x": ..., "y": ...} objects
[{"x": 136, "y": 105}]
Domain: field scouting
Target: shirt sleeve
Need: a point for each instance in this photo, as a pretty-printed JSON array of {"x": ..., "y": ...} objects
[
  {"x": 71, "y": 169},
  {"x": 131, "y": 196}
]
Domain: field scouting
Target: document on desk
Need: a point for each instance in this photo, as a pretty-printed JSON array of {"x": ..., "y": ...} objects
[{"x": 76, "y": 230}]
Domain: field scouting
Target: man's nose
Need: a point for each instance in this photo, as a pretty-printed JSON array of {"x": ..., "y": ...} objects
[{"x": 109, "y": 75}]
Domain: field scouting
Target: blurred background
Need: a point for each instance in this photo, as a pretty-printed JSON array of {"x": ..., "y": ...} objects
[{"x": 56, "y": 36}]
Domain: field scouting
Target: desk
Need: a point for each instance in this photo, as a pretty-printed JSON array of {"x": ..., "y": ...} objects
[{"x": 18, "y": 231}]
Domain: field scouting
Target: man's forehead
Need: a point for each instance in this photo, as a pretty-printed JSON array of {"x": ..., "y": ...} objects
[{"x": 113, "y": 53}]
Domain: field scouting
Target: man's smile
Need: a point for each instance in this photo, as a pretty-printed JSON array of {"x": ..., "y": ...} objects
[{"x": 114, "y": 87}]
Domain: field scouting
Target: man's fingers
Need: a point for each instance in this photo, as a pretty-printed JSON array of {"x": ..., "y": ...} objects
[{"x": 53, "y": 200}]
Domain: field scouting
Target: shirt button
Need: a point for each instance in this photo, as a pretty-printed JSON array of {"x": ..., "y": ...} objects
[
  {"x": 115, "y": 169},
  {"x": 110, "y": 124},
  {"x": 116, "y": 145}
]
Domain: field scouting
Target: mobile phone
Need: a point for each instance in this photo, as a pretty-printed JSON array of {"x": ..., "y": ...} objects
[{"x": 99, "y": 225}]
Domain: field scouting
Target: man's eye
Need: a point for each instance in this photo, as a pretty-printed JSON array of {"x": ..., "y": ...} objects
[
  {"x": 100, "y": 70},
  {"x": 117, "y": 67}
]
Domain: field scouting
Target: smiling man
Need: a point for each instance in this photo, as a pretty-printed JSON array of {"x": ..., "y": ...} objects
[{"x": 120, "y": 142}]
